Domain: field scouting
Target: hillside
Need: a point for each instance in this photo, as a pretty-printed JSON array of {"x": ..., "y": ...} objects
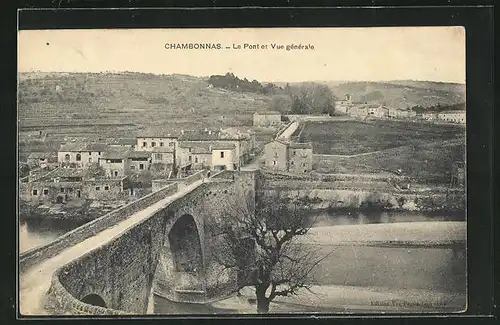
[
  {"x": 121, "y": 104},
  {"x": 401, "y": 93}
]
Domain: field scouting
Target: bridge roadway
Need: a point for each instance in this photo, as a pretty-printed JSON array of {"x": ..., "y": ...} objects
[{"x": 35, "y": 282}]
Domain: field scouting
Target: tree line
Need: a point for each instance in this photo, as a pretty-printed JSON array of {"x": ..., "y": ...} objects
[{"x": 304, "y": 98}]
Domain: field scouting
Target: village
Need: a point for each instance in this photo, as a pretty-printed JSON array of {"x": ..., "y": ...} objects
[{"x": 117, "y": 171}]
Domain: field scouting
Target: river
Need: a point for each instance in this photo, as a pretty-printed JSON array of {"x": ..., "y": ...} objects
[{"x": 449, "y": 275}]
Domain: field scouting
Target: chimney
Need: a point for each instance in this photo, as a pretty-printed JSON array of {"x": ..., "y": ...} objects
[{"x": 182, "y": 131}]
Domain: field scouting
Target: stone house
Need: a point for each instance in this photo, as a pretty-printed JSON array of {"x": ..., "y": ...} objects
[
  {"x": 300, "y": 156},
  {"x": 197, "y": 154},
  {"x": 452, "y": 116},
  {"x": 138, "y": 161},
  {"x": 276, "y": 155},
  {"x": 432, "y": 116},
  {"x": 268, "y": 118},
  {"x": 148, "y": 143},
  {"x": 377, "y": 111},
  {"x": 77, "y": 154},
  {"x": 104, "y": 189},
  {"x": 288, "y": 156},
  {"x": 114, "y": 162},
  {"x": 243, "y": 142},
  {"x": 223, "y": 156}
]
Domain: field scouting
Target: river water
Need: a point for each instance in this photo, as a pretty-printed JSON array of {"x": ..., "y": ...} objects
[{"x": 449, "y": 275}]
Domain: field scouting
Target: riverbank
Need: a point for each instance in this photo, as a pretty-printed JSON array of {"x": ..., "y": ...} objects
[{"x": 335, "y": 299}]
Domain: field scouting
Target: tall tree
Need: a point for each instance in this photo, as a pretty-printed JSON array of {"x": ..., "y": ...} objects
[{"x": 261, "y": 242}]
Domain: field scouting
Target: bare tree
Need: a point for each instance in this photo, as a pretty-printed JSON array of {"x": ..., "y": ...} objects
[{"x": 259, "y": 239}]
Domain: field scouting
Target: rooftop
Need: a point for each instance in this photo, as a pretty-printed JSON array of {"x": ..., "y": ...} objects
[
  {"x": 159, "y": 133},
  {"x": 83, "y": 146},
  {"x": 42, "y": 155},
  {"x": 300, "y": 145},
  {"x": 116, "y": 153},
  {"x": 267, "y": 113},
  {"x": 139, "y": 154},
  {"x": 223, "y": 146},
  {"x": 164, "y": 149}
]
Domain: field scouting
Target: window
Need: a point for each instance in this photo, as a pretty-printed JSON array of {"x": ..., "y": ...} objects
[
  {"x": 153, "y": 144},
  {"x": 67, "y": 157},
  {"x": 274, "y": 162},
  {"x": 45, "y": 192},
  {"x": 189, "y": 158},
  {"x": 189, "y": 149},
  {"x": 141, "y": 166},
  {"x": 171, "y": 144},
  {"x": 132, "y": 167},
  {"x": 294, "y": 152},
  {"x": 196, "y": 159},
  {"x": 304, "y": 164},
  {"x": 90, "y": 159},
  {"x": 78, "y": 157},
  {"x": 291, "y": 162},
  {"x": 62, "y": 190},
  {"x": 222, "y": 154},
  {"x": 161, "y": 144},
  {"x": 34, "y": 192},
  {"x": 116, "y": 173},
  {"x": 97, "y": 188},
  {"x": 159, "y": 156},
  {"x": 70, "y": 190},
  {"x": 106, "y": 188},
  {"x": 144, "y": 144},
  {"x": 275, "y": 155},
  {"x": 99, "y": 153}
]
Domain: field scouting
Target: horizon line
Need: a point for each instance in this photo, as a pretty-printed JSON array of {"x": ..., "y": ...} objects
[{"x": 241, "y": 77}]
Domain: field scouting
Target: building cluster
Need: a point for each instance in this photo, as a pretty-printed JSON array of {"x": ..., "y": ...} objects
[
  {"x": 364, "y": 109},
  {"x": 98, "y": 170}
]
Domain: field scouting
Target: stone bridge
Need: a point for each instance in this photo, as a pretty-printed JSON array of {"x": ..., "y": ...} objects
[
  {"x": 160, "y": 242},
  {"x": 163, "y": 243}
]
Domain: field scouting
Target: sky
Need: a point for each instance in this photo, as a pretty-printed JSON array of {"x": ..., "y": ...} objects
[{"x": 343, "y": 54}]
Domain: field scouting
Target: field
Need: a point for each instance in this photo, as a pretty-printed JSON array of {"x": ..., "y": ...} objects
[
  {"x": 354, "y": 137},
  {"x": 424, "y": 152}
]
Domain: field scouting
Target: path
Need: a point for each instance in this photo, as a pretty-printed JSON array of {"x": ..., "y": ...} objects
[{"x": 35, "y": 282}]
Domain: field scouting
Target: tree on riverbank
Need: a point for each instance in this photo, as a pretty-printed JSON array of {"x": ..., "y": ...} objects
[{"x": 261, "y": 245}]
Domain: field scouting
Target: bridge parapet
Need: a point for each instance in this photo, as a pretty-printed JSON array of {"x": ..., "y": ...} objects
[
  {"x": 62, "y": 302},
  {"x": 37, "y": 255}
]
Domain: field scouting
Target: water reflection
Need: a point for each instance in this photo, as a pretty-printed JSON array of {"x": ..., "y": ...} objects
[
  {"x": 337, "y": 218},
  {"x": 37, "y": 232}
]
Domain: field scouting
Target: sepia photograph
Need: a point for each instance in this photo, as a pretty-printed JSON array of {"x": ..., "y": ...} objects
[{"x": 242, "y": 171}]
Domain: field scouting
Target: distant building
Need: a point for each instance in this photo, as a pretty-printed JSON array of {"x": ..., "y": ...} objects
[
  {"x": 429, "y": 116},
  {"x": 300, "y": 157},
  {"x": 138, "y": 160},
  {"x": 269, "y": 118},
  {"x": 114, "y": 162},
  {"x": 288, "y": 156},
  {"x": 397, "y": 113},
  {"x": 197, "y": 154},
  {"x": 343, "y": 105},
  {"x": 276, "y": 155},
  {"x": 77, "y": 154},
  {"x": 452, "y": 116},
  {"x": 377, "y": 111},
  {"x": 148, "y": 143},
  {"x": 223, "y": 156}
]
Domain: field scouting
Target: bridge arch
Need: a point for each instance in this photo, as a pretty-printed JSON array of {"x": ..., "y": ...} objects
[
  {"x": 95, "y": 300},
  {"x": 185, "y": 246}
]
